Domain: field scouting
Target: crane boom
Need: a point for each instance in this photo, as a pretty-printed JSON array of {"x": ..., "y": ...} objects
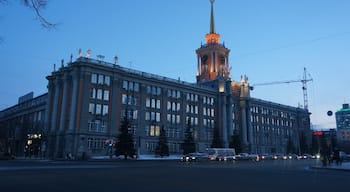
[{"x": 304, "y": 82}]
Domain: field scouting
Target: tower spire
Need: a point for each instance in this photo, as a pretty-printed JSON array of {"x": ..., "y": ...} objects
[
  {"x": 212, "y": 37},
  {"x": 212, "y": 24}
]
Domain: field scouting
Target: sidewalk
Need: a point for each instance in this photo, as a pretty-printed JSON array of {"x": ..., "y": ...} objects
[
  {"x": 140, "y": 157},
  {"x": 343, "y": 167}
]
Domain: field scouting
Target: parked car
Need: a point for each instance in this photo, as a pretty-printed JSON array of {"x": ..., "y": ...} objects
[{"x": 195, "y": 157}]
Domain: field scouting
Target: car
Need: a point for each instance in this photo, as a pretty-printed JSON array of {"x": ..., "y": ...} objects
[
  {"x": 226, "y": 157},
  {"x": 247, "y": 156},
  {"x": 195, "y": 157}
]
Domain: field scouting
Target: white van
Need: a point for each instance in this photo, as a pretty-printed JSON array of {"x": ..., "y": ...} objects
[{"x": 217, "y": 153}]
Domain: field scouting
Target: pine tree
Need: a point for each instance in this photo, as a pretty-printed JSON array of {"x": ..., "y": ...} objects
[
  {"x": 125, "y": 142},
  {"x": 188, "y": 145},
  {"x": 236, "y": 143},
  {"x": 216, "y": 143},
  {"x": 162, "y": 148},
  {"x": 290, "y": 146}
]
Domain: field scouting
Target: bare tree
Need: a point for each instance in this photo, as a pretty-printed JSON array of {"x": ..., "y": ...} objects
[{"x": 37, "y": 6}]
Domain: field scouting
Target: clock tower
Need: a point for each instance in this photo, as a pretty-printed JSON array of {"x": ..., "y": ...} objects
[{"x": 212, "y": 57}]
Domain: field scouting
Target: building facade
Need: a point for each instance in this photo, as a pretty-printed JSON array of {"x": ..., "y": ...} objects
[
  {"x": 342, "y": 117},
  {"x": 22, "y": 127},
  {"x": 88, "y": 98}
]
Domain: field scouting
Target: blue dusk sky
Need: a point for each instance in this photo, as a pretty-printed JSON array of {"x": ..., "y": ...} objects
[{"x": 270, "y": 40}]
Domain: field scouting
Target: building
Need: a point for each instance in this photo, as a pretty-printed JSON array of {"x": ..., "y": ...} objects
[
  {"x": 342, "y": 117},
  {"x": 22, "y": 126},
  {"x": 88, "y": 98}
]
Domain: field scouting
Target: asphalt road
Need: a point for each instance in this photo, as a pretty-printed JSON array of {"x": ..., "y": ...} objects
[{"x": 169, "y": 176}]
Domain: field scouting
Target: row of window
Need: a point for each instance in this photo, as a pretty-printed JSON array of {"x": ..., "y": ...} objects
[
  {"x": 131, "y": 86},
  {"x": 99, "y": 94},
  {"x": 100, "y": 79},
  {"x": 152, "y": 116},
  {"x": 174, "y": 94},
  {"x": 265, "y": 111},
  {"x": 99, "y": 126},
  {"x": 96, "y": 143},
  {"x": 153, "y": 103},
  {"x": 98, "y": 109},
  {"x": 129, "y": 100},
  {"x": 272, "y": 121}
]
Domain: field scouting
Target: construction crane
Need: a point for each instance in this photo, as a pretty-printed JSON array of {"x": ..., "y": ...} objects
[{"x": 304, "y": 82}]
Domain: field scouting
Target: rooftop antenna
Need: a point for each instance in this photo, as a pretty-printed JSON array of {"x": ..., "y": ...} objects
[
  {"x": 88, "y": 53},
  {"x": 54, "y": 67},
  {"x": 71, "y": 58},
  {"x": 80, "y": 53},
  {"x": 100, "y": 57},
  {"x": 116, "y": 60}
]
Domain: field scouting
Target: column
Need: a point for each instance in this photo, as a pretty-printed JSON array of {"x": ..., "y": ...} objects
[{"x": 73, "y": 106}]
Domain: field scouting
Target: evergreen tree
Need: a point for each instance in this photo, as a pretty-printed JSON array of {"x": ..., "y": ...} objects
[
  {"x": 188, "y": 145},
  {"x": 162, "y": 148},
  {"x": 236, "y": 143},
  {"x": 125, "y": 142},
  {"x": 216, "y": 143},
  {"x": 290, "y": 146}
]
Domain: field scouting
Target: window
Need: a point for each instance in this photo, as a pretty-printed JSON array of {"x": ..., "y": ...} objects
[
  {"x": 93, "y": 93},
  {"x": 136, "y": 87},
  {"x": 125, "y": 85},
  {"x": 158, "y": 117},
  {"x": 99, "y": 94},
  {"x": 106, "y": 95},
  {"x": 98, "y": 109},
  {"x": 124, "y": 99},
  {"x": 107, "y": 80},
  {"x": 100, "y": 79},
  {"x": 158, "y": 104},
  {"x": 105, "y": 110},
  {"x": 148, "y": 102},
  {"x": 92, "y": 108},
  {"x": 154, "y": 130},
  {"x": 93, "y": 78}
]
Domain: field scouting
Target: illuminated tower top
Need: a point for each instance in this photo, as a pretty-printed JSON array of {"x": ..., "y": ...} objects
[
  {"x": 212, "y": 56},
  {"x": 212, "y": 37}
]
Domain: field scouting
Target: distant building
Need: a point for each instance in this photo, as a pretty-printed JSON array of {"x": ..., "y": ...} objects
[
  {"x": 88, "y": 98},
  {"x": 22, "y": 126},
  {"x": 342, "y": 117}
]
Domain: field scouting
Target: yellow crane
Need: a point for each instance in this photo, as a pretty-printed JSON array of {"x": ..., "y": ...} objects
[{"x": 306, "y": 78}]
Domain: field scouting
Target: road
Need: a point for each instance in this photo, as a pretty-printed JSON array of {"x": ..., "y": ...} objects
[{"x": 169, "y": 176}]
